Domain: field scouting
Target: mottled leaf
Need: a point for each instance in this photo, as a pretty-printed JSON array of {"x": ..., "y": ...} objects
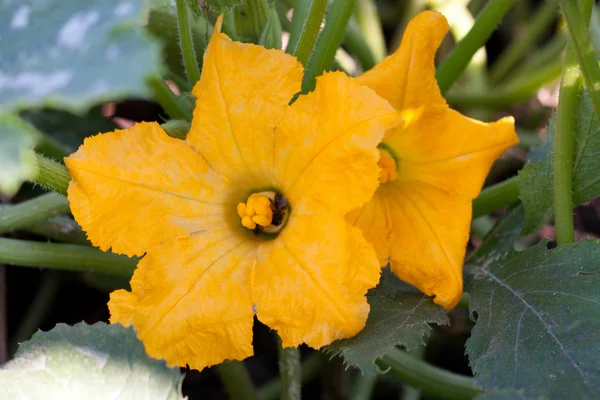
[
  {"x": 400, "y": 315},
  {"x": 17, "y": 162},
  {"x": 535, "y": 183},
  {"x": 72, "y": 54},
  {"x": 538, "y": 321},
  {"x": 87, "y": 362}
]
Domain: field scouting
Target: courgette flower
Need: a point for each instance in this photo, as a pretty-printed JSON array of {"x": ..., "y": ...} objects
[
  {"x": 244, "y": 218},
  {"x": 432, "y": 167}
]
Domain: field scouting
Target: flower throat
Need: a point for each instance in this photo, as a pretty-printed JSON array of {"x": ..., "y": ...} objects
[{"x": 264, "y": 212}]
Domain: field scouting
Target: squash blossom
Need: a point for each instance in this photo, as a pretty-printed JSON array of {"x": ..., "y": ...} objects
[
  {"x": 244, "y": 218},
  {"x": 432, "y": 167}
]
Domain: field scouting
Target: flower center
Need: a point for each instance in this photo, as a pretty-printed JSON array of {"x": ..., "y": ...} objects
[
  {"x": 264, "y": 212},
  {"x": 387, "y": 166}
]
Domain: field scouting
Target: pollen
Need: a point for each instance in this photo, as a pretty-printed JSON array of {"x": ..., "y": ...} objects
[
  {"x": 257, "y": 210},
  {"x": 387, "y": 167}
]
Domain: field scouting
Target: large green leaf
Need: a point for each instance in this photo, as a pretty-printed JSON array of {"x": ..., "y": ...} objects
[
  {"x": 535, "y": 183},
  {"x": 400, "y": 315},
  {"x": 17, "y": 162},
  {"x": 72, "y": 54},
  {"x": 538, "y": 320},
  {"x": 87, "y": 362}
]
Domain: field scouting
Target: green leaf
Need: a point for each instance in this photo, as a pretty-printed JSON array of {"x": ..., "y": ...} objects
[
  {"x": 71, "y": 54},
  {"x": 83, "y": 361},
  {"x": 400, "y": 315},
  {"x": 17, "y": 163},
  {"x": 536, "y": 179},
  {"x": 66, "y": 128},
  {"x": 538, "y": 321}
]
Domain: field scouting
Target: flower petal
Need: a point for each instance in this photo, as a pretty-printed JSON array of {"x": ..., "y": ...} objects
[
  {"x": 429, "y": 234},
  {"x": 436, "y": 149},
  {"x": 310, "y": 283},
  {"x": 406, "y": 78},
  {"x": 244, "y": 90},
  {"x": 191, "y": 301},
  {"x": 132, "y": 189},
  {"x": 325, "y": 146}
]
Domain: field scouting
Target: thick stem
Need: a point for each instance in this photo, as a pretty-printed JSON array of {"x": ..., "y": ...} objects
[
  {"x": 309, "y": 369},
  {"x": 186, "y": 43},
  {"x": 433, "y": 381},
  {"x": 338, "y": 14},
  {"x": 496, "y": 197},
  {"x": 71, "y": 257},
  {"x": 564, "y": 145},
  {"x": 236, "y": 380},
  {"x": 363, "y": 388},
  {"x": 306, "y": 24},
  {"x": 571, "y": 85},
  {"x": 485, "y": 23},
  {"x": 167, "y": 99},
  {"x": 24, "y": 214},
  {"x": 578, "y": 23},
  {"x": 51, "y": 175},
  {"x": 289, "y": 372},
  {"x": 60, "y": 229}
]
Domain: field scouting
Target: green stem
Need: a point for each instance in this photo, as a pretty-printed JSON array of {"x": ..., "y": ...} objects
[
  {"x": 22, "y": 215},
  {"x": 536, "y": 27},
  {"x": 167, "y": 99},
  {"x": 363, "y": 388},
  {"x": 495, "y": 197},
  {"x": 518, "y": 90},
  {"x": 431, "y": 380},
  {"x": 564, "y": 146},
  {"x": 309, "y": 370},
  {"x": 338, "y": 15},
  {"x": 356, "y": 44},
  {"x": 51, "y": 175},
  {"x": 38, "y": 309},
  {"x": 306, "y": 24},
  {"x": 289, "y": 372},
  {"x": 186, "y": 43},
  {"x": 578, "y": 24},
  {"x": 71, "y": 257},
  {"x": 484, "y": 25},
  {"x": 237, "y": 382},
  {"x": 571, "y": 85},
  {"x": 60, "y": 229},
  {"x": 369, "y": 23}
]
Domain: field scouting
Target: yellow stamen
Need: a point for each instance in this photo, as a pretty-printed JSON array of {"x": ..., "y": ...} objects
[
  {"x": 257, "y": 210},
  {"x": 387, "y": 167}
]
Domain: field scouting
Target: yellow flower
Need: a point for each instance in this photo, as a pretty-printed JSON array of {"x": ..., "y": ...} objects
[
  {"x": 246, "y": 216},
  {"x": 432, "y": 166}
]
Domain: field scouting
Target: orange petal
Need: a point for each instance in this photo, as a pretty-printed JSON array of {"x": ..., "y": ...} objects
[
  {"x": 194, "y": 304},
  {"x": 310, "y": 283},
  {"x": 429, "y": 233},
  {"x": 406, "y": 78},
  {"x": 243, "y": 92},
  {"x": 450, "y": 151},
  {"x": 132, "y": 189},
  {"x": 325, "y": 146}
]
